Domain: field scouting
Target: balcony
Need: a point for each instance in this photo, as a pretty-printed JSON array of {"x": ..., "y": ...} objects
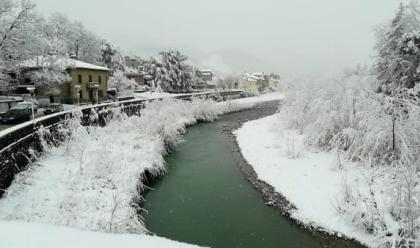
[{"x": 93, "y": 85}]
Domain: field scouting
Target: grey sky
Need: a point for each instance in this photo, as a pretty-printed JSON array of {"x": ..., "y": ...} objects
[{"x": 286, "y": 36}]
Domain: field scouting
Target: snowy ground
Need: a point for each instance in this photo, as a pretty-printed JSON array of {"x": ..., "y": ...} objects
[
  {"x": 309, "y": 179},
  {"x": 258, "y": 99},
  {"x": 91, "y": 181},
  {"x": 24, "y": 235},
  {"x": 249, "y": 102},
  {"x": 150, "y": 95}
]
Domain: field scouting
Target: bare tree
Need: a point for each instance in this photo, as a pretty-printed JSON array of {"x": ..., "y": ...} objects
[{"x": 14, "y": 21}]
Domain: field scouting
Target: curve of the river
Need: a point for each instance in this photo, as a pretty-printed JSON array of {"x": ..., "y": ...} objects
[{"x": 204, "y": 198}]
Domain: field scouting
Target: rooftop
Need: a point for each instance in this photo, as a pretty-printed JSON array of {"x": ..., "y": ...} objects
[{"x": 49, "y": 61}]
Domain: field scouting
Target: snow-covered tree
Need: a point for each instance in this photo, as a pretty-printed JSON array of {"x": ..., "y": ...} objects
[
  {"x": 85, "y": 45},
  {"x": 112, "y": 58},
  {"x": 74, "y": 38},
  {"x": 381, "y": 132},
  {"x": 25, "y": 36},
  {"x": 170, "y": 73},
  {"x": 177, "y": 75},
  {"x": 153, "y": 70},
  {"x": 15, "y": 17},
  {"x": 397, "y": 63},
  {"x": 51, "y": 72},
  {"x": 120, "y": 82}
]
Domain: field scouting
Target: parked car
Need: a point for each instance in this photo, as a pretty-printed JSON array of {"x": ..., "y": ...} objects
[
  {"x": 53, "y": 108},
  {"x": 29, "y": 105},
  {"x": 17, "y": 114}
]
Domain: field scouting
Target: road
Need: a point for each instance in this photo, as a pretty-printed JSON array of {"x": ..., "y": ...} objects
[
  {"x": 2, "y": 127},
  {"x": 39, "y": 114}
]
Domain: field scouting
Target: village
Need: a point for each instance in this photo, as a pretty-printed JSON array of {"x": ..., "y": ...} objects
[{"x": 81, "y": 83}]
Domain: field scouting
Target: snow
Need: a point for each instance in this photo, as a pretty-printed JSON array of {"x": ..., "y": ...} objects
[
  {"x": 91, "y": 181},
  {"x": 42, "y": 61},
  {"x": 153, "y": 94},
  {"x": 83, "y": 65},
  {"x": 275, "y": 96},
  {"x": 23, "y": 235},
  {"x": 10, "y": 98},
  {"x": 241, "y": 103},
  {"x": 69, "y": 107},
  {"x": 309, "y": 179}
]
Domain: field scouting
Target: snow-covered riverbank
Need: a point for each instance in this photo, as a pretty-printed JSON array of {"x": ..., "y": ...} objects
[
  {"x": 24, "y": 235},
  {"x": 93, "y": 179},
  {"x": 310, "y": 180}
]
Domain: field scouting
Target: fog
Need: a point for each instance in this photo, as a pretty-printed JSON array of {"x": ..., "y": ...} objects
[{"x": 289, "y": 37}]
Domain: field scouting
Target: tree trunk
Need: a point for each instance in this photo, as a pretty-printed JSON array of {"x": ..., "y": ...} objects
[{"x": 393, "y": 133}]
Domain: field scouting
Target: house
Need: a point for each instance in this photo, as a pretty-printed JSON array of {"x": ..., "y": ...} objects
[
  {"x": 212, "y": 85},
  {"x": 137, "y": 77},
  {"x": 83, "y": 82},
  {"x": 249, "y": 84},
  {"x": 230, "y": 82},
  {"x": 204, "y": 79},
  {"x": 132, "y": 62},
  {"x": 256, "y": 83}
]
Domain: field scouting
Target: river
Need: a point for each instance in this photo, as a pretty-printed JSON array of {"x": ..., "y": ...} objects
[{"x": 205, "y": 199}]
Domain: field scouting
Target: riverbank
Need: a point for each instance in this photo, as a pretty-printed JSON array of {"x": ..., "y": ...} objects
[
  {"x": 93, "y": 179},
  {"x": 205, "y": 199},
  {"x": 24, "y": 235},
  {"x": 304, "y": 184},
  {"x": 270, "y": 195}
]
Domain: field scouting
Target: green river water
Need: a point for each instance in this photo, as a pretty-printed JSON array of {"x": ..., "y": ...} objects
[{"x": 204, "y": 199}]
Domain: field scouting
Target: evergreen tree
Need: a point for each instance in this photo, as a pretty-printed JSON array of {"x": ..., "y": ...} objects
[
  {"x": 170, "y": 73},
  {"x": 177, "y": 75},
  {"x": 397, "y": 61},
  {"x": 112, "y": 58}
]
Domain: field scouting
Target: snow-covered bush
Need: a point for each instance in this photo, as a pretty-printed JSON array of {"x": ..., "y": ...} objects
[
  {"x": 92, "y": 180},
  {"x": 323, "y": 108},
  {"x": 121, "y": 83},
  {"x": 379, "y": 131}
]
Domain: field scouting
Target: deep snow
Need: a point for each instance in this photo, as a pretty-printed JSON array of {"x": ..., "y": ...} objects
[
  {"x": 25, "y": 235},
  {"x": 311, "y": 180}
]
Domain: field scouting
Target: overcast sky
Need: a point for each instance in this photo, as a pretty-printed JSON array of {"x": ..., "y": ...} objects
[{"x": 286, "y": 36}]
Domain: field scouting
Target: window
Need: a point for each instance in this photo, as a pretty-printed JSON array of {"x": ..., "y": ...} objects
[
  {"x": 99, "y": 79},
  {"x": 90, "y": 78},
  {"x": 80, "y": 79}
]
